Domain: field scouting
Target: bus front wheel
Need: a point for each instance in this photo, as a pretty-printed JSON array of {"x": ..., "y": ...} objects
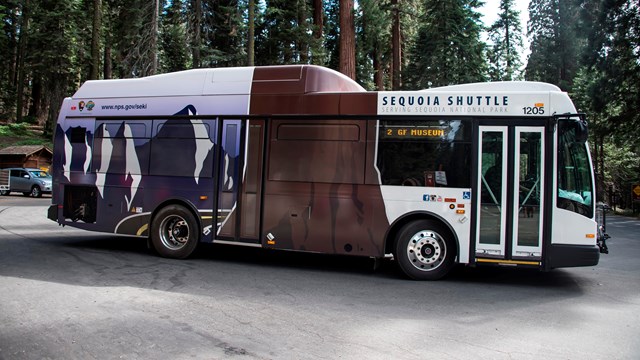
[
  {"x": 174, "y": 232},
  {"x": 424, "y": 250}
]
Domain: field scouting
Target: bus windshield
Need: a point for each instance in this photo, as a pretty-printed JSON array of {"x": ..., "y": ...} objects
[{"x": 575, "y": 189}]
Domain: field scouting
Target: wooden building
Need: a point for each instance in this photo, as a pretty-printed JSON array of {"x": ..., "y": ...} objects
[{"x": 29, "y": 156}]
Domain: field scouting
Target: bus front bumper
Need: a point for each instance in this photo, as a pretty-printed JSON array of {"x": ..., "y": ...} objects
[{"x": 561, "y": 255}]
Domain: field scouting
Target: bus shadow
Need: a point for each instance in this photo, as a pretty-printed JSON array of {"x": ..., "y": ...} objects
[
  {"x": 523, "y": 277},
  {"x": 251, "y": 258},
  {"x": 107, "y": 260}
]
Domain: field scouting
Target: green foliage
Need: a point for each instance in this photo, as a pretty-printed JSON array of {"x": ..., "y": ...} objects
[
  {"x": 607, "y": 87},
  {"x": 8, "y": 49},
  {"x": 285, "y": 35},
  {"x": 587, "y": 47},
  {"x": 506, "y": 36},
  {"x": 622, "y": 169},
  {"x": 555, "y": 41},
  {"x": 223, "y": 34},
  {"x": 173, "y": 38},
  {"x": 332, "y": 33},
  {"x": 622, "y": 166},
  {"x": 14, "y": 130},
  {"x": 373, "y": 23},
  {"x": 448, "y": 49},
  {"x": 22, "y": 134}
]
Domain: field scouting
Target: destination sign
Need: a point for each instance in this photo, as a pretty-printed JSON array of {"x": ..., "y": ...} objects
[{"x": 416, "y": 132}]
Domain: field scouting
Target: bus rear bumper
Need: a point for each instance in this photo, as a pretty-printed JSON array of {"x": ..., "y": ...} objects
[{"x": 560, "y": 255}]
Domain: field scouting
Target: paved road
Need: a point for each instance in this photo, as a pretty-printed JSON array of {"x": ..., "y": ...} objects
[{"x": 70, "y": 294}]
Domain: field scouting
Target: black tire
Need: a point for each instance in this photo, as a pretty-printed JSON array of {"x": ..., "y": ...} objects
[
  {"x": 36, "y": 192},
  {"x": 425, "y": 250},
  {"x": 175, "y": 232},
  {"x": 4, "y": 192}
]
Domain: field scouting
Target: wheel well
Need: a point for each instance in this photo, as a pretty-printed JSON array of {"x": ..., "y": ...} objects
[
  {"x": 185, "y": 203},
  {"x": 401, "y": 222}
]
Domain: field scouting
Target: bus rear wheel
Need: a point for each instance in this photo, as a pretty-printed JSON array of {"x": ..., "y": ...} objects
[
  {"x": 175, "y": 232},
  {"x": 424, "y": 250}
]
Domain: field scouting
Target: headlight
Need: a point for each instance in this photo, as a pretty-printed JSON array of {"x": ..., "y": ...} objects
[{"x": 42, "y": 182}]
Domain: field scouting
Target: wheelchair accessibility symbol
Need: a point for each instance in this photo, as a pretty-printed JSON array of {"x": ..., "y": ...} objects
[{"x": 466, "y": 195}]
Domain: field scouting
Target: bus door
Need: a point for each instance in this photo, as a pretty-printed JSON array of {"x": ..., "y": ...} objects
[
  {"x": 240, "y": 181},
  {"x": 510, "y": 202}
]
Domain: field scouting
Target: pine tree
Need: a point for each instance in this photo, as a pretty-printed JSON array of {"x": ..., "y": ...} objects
[
  {"x": 555, "y": 43},
  {"x": 607, "y": 85},
  {"x": 251, "y": 36},
  {"x": 222, "y": 34},
  {"x": 373, "y": 43},
  {"x": 173, "y": 39},
  {"x": 49, "y": 59},
  {"x": 506, "y": 36},
  {"x": 285, "y": 35},
  {"x": 134, "y": 36},
  {"x": 8, "y": 57},
  {"x": 194, "y": 21},
  {"x": 95, "y": 39},
  {"x": 332, "y": 34},
  {"x": 447, "y": 49}
]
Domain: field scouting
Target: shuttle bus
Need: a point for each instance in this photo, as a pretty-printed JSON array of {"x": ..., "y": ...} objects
[{"x": 302, "y": 158}]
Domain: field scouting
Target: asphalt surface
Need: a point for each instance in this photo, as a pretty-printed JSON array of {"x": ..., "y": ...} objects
[{"x": 72, "y": 294}]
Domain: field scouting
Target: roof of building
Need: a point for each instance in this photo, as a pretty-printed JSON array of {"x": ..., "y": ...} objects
[{"x": 24, "y": 150}]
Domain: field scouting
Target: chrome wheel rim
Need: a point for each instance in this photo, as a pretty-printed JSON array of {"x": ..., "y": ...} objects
[
  {"x": 174, "y": 232},
  {"x": 426, "y": 250},
  {"x": 35, "y": 192}
]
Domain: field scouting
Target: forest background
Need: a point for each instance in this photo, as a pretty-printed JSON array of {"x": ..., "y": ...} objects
[{"x": 589, "y": 48}]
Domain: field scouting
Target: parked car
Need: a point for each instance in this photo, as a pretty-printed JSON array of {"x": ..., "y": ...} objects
[{"x": 30, "y": 182}]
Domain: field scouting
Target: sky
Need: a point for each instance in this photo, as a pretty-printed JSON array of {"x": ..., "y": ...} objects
[{"x": 490, "y": 12}]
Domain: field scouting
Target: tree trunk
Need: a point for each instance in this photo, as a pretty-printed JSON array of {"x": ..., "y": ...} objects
[
  {"x": 318, "y": 18},
  {"x": 22, "y": 47},
  {"x": 252, "y": 29},
  {"x": 396, "y": 47},
  {"x": 378, "y": 70},
  {"x": 302, "y": 39},
  {"x": 36, "y": 97},
  {"x": 195, "y": 46},
  {"x": 95, "y": 40},
  {"x": 55, "y": 95},
  {"x": 108, "y": 68},
  {"x": 154, "y": 38},
  {"x": 13, "y": 45},
  {"x": 347, "y": 39}
]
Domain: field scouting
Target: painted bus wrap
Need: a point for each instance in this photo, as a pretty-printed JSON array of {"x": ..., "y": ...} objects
[{"x": 302, "y": 158}]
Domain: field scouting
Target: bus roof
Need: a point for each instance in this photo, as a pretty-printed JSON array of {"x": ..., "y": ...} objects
[
  {"x": 288, "y": 79},
  {"x": 503, "y": 86},
  {"x": 304, "y": 90}
]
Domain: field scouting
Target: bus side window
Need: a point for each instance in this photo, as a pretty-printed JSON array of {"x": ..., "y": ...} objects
[
  {"x": 118, "y": 138},
  {"x": 427, "y": 152},
  {"x": 174, "y": 149},
  {"x": 327, "y": 151}
]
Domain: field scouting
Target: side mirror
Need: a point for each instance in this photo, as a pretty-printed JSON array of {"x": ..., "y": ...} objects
[
  {"x": 581, "y": 130},
  {"x": 577, "y": 123}
]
